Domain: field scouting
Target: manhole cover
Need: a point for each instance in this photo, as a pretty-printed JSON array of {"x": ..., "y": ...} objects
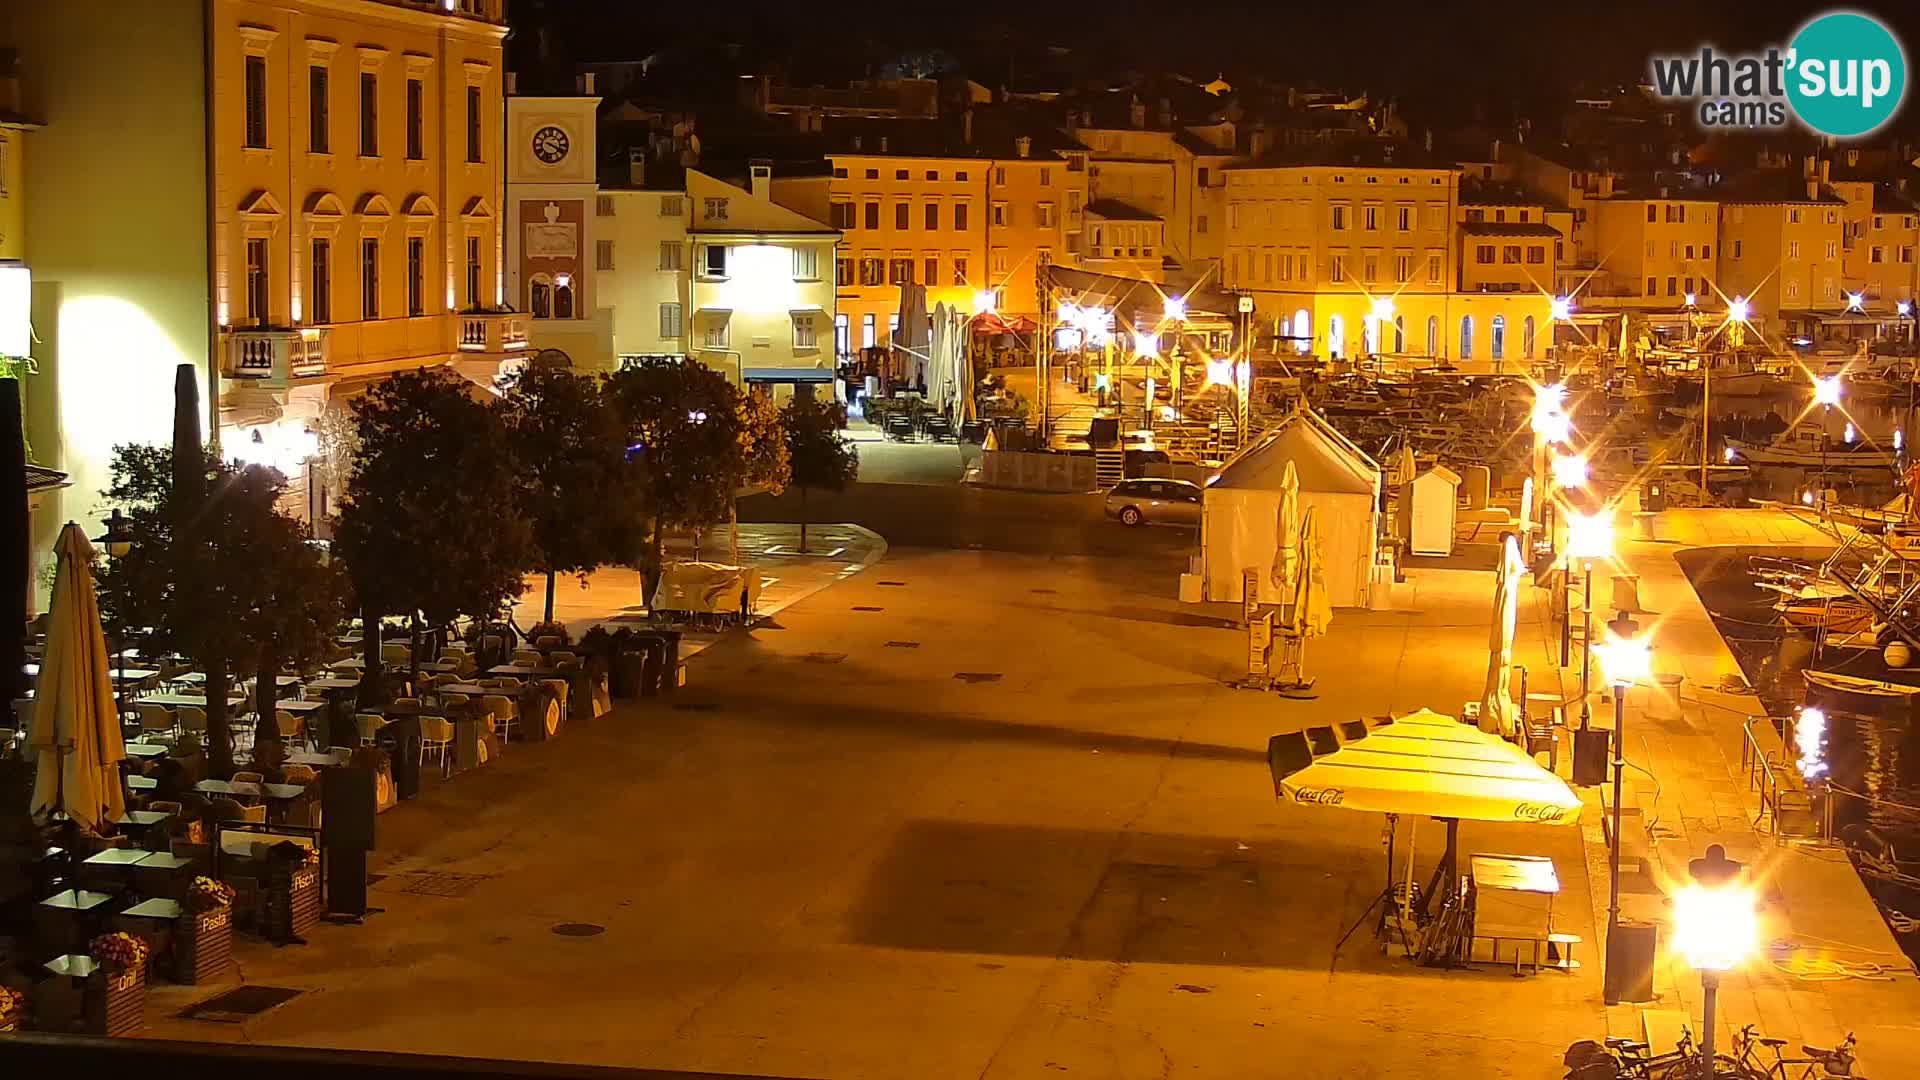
[
  {"x": 695, "y": 706},
  {"x": 1043, "y": 592},
  {"x": 977, "y": 676},
  {"x": 579, "y": 929},
  {"x": 235, "y": 1006},
  {"x": 824, "y": 657},
  {"x": 903, "y": 644},
  {"x": 865, "y": 607},
  {"x": 893, "y": 583},
  {"x": 443, "y": 883}
]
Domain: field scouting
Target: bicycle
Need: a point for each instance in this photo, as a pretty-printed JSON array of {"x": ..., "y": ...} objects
[{"x": 1819, "y": 1062}]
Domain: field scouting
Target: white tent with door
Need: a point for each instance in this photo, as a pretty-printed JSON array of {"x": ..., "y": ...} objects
[{"x": 1240, "y": 510}]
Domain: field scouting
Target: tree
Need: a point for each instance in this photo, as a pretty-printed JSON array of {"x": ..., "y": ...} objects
[
  {"x": 578, "y": 488},
  {"x": 200, "y": 581},
  {"x": 430, "y": 524},
  {"x": 765, "y": 462},
  {"x": 822, "y": 457},
  {"x": 683, "y": 431}
]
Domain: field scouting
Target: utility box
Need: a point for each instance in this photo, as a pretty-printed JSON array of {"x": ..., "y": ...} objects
[
  {"x": 1653, "y": 496},
  {"x": 1432, "y": 504}
]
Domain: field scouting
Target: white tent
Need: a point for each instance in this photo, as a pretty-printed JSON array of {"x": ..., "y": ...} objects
[{"x": 1240, "y": 510}]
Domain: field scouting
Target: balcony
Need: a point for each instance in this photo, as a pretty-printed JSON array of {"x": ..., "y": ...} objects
[
  {"x": 274, "y": 357},
  {"x": 491, "y": 332}
]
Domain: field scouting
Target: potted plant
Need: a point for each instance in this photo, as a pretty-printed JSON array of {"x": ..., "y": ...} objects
[
  {"x": 203, "y": 949},
  {"x": 13, "y": 1008},
  {"x": 116, "y": 991}
]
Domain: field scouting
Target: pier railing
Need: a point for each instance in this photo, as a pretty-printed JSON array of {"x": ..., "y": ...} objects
[{"x": 1778, "y": 784}]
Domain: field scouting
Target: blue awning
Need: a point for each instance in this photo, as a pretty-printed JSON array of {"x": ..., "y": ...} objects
[{"x": 781, "y": 374}]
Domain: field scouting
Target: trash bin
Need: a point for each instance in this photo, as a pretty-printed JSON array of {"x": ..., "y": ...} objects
[
  {"x": 1628, "y": 975},
  {"x": 626, "y": 670},
  {"x": 669, "y": 661},
  {"x": 1653, "y": 496},
  {"x": 653, "y": 651},
  {"x": 1663, "y": 700}
]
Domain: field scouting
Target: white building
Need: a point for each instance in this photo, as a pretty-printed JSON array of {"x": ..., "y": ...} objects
[{"x": 642, "y": 259}]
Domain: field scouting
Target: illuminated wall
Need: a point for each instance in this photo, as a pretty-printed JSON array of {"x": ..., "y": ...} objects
[
  {"x": 1679, "y": 244},
  {"x": 118, "y": 233},
  {"x": 642, "y": 226},
  {"x": 1782, "y": 256},
  {"x": 552, "y": 243},
  {"x": 13, "y": 195},
  {"x": 745, "y": 318},
  {"x": 1882, "y": 231}
]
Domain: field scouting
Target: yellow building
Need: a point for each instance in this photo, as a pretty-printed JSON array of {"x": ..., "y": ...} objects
[
  {"x": 644, "y": 272},
  {"x": 1506, "y": 244},
  {"x": 14, "y": 126},
  {"x": 1880, "y": 231},
  {"x": 554, "y": 242},
  {"x": 1352, "y": 251},
  {"x": 1780, "y": 236},
  {"x": 1654, "y": 253},
  {"x": 312, "y": 206},
  {"x": 1036, "y": 211}
]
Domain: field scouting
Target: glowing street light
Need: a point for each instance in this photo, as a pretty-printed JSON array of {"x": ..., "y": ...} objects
[
  {"x": 1738, "y": 309},
  {"x": 1826, "y": 390},
  {"x": 1560, "y": 308},
  {"x": 1856, "y": 301},
  {"x": 1590, "y": 536},
  {"x": 1383, "y": 308},
  {"x": 1692, "y": 300},
  {"x": 1176, "y": 307},
  {"x": 1715, "y": 929},
  {"x": 1569, "y": 471},
  {"x": 1904, "y": 307},
  {"x": 1146, "y": 344},
  {"x": 983, "y": 302}
]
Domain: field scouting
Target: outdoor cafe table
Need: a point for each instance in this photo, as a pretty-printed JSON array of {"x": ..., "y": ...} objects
[
  {"x": 198, "y": 678},
  {"x": 1527, "y": 874},
  {"x": 299, "y": 705},
  {"x": 109, "y": 869},
  {"x": 142, "y": 783},
  {"x": 331, "y": 759},
  {"x": 332, "y": 684},
  {"x": 432, "y": 667},
  {"x": 146, "y": 750},
  {"x": 525, "y": 671},
  {"x": 175, "y": 701},
  {"x": 138, "y": 825},
  {"x": 250, "y": 790}
]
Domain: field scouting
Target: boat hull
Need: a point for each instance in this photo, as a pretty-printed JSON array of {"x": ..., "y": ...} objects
[{"x": 1754, "y": 454}]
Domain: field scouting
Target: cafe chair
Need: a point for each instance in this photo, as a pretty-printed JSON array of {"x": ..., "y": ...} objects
[
  {"x": 369, "y": 725},
  {"x": 247, "y": 776},
  {"x": 164, "y": 806},
  {"x": 156, "y": 720},
  {"x": 291, "y": 727},
  {"x": 563, "y": 656},
  {"x": 193, "y": 721},
  {"x": 396, "y": 654},
  {"x": 503, "y": 711},
  {"x": 529, "y": 657},
  {"x": 302, "y": 775},
  {"x": 548, "y": 641},
  {"x": 436, "y": 735},
  {"x": 558, "y": 688}
]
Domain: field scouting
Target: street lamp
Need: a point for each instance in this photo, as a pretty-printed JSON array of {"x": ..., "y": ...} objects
[
  {"x": 1715, "y": 928},
  {"x": 1569, "y": 471},
  {"x": 1589, "y": 537},
  {"x": 1627, "y": 659},
  {"x": 1560, "y": 308},
  {"x": 116, "y": 542},
  {"x": 1738, "y": 309},
  {"x": 1826, "y": 394},
  {"x": 983, "y": 302},
  {"x": 1176, "y": 308}
]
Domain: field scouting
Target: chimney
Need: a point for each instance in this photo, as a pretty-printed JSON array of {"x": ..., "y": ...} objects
[
  {"x": 1428, "y": 142},
  {"x": 856, "y": 142},
  {"x": 1137, "y": 114},
  {"x": 1163, "y": 114},
  {"x": 637, "y": 166},
  {"x": 1813, "y": 189},
  {"x": 513, "y": 83},
  {"x": 966, "y": 126},
  {"x": 1824, "y": 164},
  {"x": 760, "y": 179},
  {"x": 1853, "y": 156},
  {"x": 1806, "y": 167},
  {"x": 585, "y": 83},
  {"x": 1023, "y": 146},
  {"x": 1495, "y": 150},
  {"x": 883, "y": 144}
]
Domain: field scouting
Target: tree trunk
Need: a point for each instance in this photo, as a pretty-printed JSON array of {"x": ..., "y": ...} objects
[
  {"x": 803, "y": 519},
  {"x": 733, "y": 527},
  {"x": 549, "y": 616},
  {"x": 372, "y": 693},
  {"x": 651, "y": 561},
  {"x": 219, "y": 728},
  {"x": 266, "y": 695},
  {"x": 413, "y": 655}
]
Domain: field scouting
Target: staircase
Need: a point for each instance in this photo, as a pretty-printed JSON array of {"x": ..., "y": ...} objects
[{"x": 1109, "y": 467}]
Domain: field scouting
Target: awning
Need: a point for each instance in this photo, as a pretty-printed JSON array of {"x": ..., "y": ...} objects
[
  {"x": 764, "y": 374},
  {"x": 1423, "y": 764}
]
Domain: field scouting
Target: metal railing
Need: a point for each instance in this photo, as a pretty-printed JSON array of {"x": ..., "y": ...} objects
[{"x": 1780, "y": 788}]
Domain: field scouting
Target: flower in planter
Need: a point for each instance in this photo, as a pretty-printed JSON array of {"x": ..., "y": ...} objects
[
  {"x": 13, "y": 1003},
  {"x": 208, "y": 894},
  {"x": 119, "y": 950}
]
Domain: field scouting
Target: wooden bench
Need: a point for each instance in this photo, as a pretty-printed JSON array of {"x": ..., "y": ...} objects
[
  {"x": 1558, "y": 948},
  {"x": 1541, "y": 729}
]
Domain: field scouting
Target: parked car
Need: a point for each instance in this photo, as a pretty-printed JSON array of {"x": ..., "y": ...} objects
[{"x": 1154, "y": 502}]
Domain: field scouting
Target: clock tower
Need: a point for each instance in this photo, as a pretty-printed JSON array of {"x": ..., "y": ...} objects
[{"x": 550, "y": 210}]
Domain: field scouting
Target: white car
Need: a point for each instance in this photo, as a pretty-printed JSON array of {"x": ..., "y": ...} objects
[{"x": 1154, "y": 502}]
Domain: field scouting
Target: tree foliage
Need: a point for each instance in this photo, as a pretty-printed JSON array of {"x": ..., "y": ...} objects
[
  {"x": 430, "y": 524},
  {"x": 821, "y": 456},
  {"x": 577, "y": 488},
  {"x": 683, "y": 428}
]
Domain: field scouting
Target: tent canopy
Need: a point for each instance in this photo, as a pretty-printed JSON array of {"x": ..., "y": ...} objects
[
  {"x": 1326, "y": 460},
  {"x": 1423, "y": 764}
]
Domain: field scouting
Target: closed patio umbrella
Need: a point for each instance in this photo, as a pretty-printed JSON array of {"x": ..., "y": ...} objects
[
  {"x": 76, "y": 733},
  {"x": 1498, "y": 713},
  {"x": 1312, "y": 603},
  {"x": 1286, "y": 536}
]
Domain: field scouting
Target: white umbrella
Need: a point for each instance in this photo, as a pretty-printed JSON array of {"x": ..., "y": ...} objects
[
  {"x": 1312, "y": 603},
  {"x": 1286, "y": 535},
  {"x": 1498, "y": 713},
  {"x": 75, "y": 730}
]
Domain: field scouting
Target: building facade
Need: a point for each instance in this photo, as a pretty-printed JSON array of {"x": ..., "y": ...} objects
[
  {"x": 645, "y": 269},
  {"x": 1780, "y": 250},
  {"x": 1656, "y": 253},
  {"x": 554, "y": 242}
]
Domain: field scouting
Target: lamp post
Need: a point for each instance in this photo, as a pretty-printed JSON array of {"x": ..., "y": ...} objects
[
  {"x": 1627, "y": 659},
  {"x": 1589, "y": 537},
  {"x": 1826, "y": 394},
  {"x": 1715, "y": 928},
  {"x": 116, "y": 542}
]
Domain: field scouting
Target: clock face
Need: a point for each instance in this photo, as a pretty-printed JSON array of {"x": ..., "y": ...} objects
[{"x": 550, "y": 144}]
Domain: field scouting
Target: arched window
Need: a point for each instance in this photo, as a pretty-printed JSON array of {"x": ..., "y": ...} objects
[
  {"x": 1466, "y": 337},
  {"x": 1526, "y": 337},
  {"x": 540, "y": 297},
  {"x": 1302, "y": 331},
  {"x": 563, "y": 300},
  {"x": 1399, "y": 333},
  {"x": 1433, "y": 335},
  {"x": 1370, "y": 332},
  {"x": 1499, "y": 337},
  {"x": 1336, "y": 334}
]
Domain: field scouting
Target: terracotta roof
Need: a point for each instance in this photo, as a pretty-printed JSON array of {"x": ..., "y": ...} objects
[
  {"x": 41, "y": 478},
  {"x": 1115, "y": 210},
  {"x": 1772, "y": 186},
  {"x": 1508, "y": 228},
  {"x": 1352, "y": 153}
]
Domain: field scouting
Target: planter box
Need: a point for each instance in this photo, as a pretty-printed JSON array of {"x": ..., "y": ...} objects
[
  {"x": 292, "y": 904},
  {"x": 203, "y": 946},
  {"x": 115, "y": 1002}
]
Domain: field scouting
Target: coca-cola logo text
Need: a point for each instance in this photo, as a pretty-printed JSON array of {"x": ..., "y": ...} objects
[
  {"x": 1326, "y": 796},
  {"x": 1537, "y": 811}
]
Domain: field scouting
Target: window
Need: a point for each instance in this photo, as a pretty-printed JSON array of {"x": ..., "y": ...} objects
[
  {"x": 670, "y": 320},
  {"x": 1833, "y": 249},
  {"x": 1652, "y": 213},
  {"x": 1000, "y": 175},
  {"x": 806, "y": 263},
  {"x": 416, "y": 275},
  {"x": 257, "y": 102},
  {"x": 563, "y": 298},
  {"x": 670, "y": 255},
  {"x": 840, "y": 172},
  {"x": 416, "y": 120},
  {"x": 1499, "y": 349},
  {"x": 1686, "y": 283},
  {"x": 803, "y": 333},
  {"x": 997, "y": 261},
  {"x": 1706, "y": 251},
  {"x": 1266, "y": 274},
  {"x": 1336, "y": 336},
  {"x": 1339, "y": 217},
  {"x": 1536, "y": 253},
  {"x": 1402, "y": 271},
  {"x": 843, "y": 271},
  {"x": 1200, "y": 224},
  {"x": 1476, "y": 215},
  {"x": 603, "y": 254},
  {"x": 841, "y": 215},
  {"x": 369, "y": 114},
  {"x": 933, "y": 174},
  {"x": 1371, "y": 215},
  {"x": 715, "y": 209},
  {"x": 1046, "y": 176},
  {"x": 473, "y": 271},
  {"x": 473, "y": 123},
  {"x": 1433, "y": 335},
  {"x": 1653, "y": 287},
  {"x": 866, "y": 330},
  {"x": 902, "y": 213},
  {"x": 1793, "y": 249},
  {"x": 369, "y": 278},
  {"x": 714, "y": 336},
  {"x": 899, "y": 174},
  {"x": 1399, "y": 333},
  {"x": 1526, "y": 338},
  {"x": 1736, "y": 248},
  {"x": 900, "y": 272},
  {"x": 1466, "y": 337},
  {"x": 320, "y": 288},
  {"x": 1370, "y": 264},
  {"x": 999, "y": 215},
  {"x": 670, "y": 206},
  {"x": 933, "y": 216},
  {"x": 317, "y": 140},
  {"x": 1201, "y": 177},
  {"x": 540, "y": 297},
  {"x": 1689, "y": 251},
  {"x": 872, "y": 215},
  {"x": 1877, "y": 254},
  {"x": 603, "y": 206},
  {"x": 257, "y": 282},
  {"x": 842, "y": 336},
  {"x": 1436, "y": 272},
  {"x": 873, "y": 174},
  {"x": 1673, "y": 249},
  {"x": 1906, "y": 253},
  {"x": 1793, "y": 216},
  {"x": 1337, "y": 268},
  {"x": 1673, "y": 285},
  {"x": 1044, "y": 213},
  {"x": 1483, "y": 254},
  {"x": 873, "y": 270},
  {"x": 931, "y": 266},
  {"x": 1510, "y": 254},
  {"x": 960, "y": 217},
  {"x": 716, "y": 264},
  {"x": 959, "y": 269}
]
